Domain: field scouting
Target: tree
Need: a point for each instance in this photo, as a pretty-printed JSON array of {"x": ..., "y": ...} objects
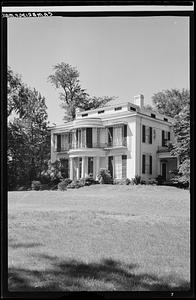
[
  {"x": 27, "y": 134},
  {"x": 176, "y": 104},
  {"x": 66, "y": 78},
  {"x": 171, "y": 102}
]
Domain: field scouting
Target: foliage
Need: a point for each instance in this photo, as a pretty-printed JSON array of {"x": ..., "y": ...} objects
[
  {"x": 171, "y": 102},
  {"x": 28, "y": 138},
  {"x": 123, "y": 181},
  {"x": 62, "y": 186},
  {"x": 176, "y": 104},
  {"x": 136, "y": 180},
  {"x": 104, "y": 176},
  {"x": 36, "y": 185},
  {"x": 66, "y": 78},
  {"x": 76, "y": 184},
  {"x": 160, "y": 180}
]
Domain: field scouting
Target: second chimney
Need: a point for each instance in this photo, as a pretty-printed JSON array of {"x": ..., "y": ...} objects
[{"x": 139, "y": 100}]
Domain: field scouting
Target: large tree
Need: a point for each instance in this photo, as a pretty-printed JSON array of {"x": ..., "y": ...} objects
[
  {"x": 176, "y": 104},
  {"x": 171, "y": 102},
  {"x": 27, "y": 133},
  {"x": 66, "y": 79}
]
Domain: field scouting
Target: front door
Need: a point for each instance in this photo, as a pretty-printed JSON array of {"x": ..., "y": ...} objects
[{"x": 164, "y": 170}]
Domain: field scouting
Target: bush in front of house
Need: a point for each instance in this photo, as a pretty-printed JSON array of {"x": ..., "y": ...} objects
[
  {"x": 62, "y": 186},
  {"x": 160, "y": 180},
  {"x": 75, "y": 184},
  {"x": 123, "y": 181},
  {"x": 137, "y": 180},
  {"x": 36, "y": 185},
  {"x": 104, "y": 177}
]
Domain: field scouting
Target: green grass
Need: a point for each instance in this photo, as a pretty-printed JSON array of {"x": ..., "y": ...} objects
[{"x": 101, "y": 237}]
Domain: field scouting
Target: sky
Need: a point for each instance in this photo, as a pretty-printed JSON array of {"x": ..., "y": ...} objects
[{"x": 115, "y": 56}]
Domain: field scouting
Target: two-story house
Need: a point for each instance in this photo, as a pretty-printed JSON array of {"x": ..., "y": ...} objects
[{"x": 126, "y": 138}]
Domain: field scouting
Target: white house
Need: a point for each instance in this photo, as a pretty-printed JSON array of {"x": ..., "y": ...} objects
[{"x": 125, "y": 138}]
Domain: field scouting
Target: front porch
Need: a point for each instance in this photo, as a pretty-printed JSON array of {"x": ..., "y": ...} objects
[{"x": 167, "y": 164}]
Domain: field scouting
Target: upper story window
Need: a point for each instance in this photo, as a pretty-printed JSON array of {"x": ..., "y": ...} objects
[
  {"x": 84, "y": 115},
  {"x": 132, "y": 108},
  {"x": 101, "y": 111},
  {"x": 118, "y": 108},
  {"x": 146, "y": 134},
  {"x": 153, "y": 116},
  {"x": 165, "y": 137}
]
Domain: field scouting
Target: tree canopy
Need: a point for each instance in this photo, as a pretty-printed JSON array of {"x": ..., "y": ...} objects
[
  {"x": 66, "y": 79},
  {"x": 27, "y": 132},
  {"x": 176, "y": 104}
]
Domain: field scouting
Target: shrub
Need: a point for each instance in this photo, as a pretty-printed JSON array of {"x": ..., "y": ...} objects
[
  {"x": 123, "y": 181},
  {"x": 75, "y": 185},
  {"x": 136, "y": 180},
  {"x": 104, "y": 176},
  {"x": 160, "y": 180},
  {"x": 62, "y": 186},
  {"x": 36, "y": 185},
  {"x": 152, "y": 181}
]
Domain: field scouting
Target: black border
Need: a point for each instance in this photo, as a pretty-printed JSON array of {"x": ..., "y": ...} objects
[{"x": 4, "y": 241}]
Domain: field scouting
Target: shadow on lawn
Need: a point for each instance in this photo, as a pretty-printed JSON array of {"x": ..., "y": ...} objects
[{"x": 73, "y": 275}]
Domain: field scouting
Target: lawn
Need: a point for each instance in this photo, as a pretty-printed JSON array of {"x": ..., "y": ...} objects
[{"x": 102, "y": 237}]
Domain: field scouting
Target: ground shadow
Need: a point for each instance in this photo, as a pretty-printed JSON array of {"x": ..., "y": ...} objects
[{"x": 73, "y": 275}]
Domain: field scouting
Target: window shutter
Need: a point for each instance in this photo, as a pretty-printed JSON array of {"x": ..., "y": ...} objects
[
  {"x": 163, "y": 138},
  {"x": 58, "y": 142},
  {"x": 143, "y": 163},
  {"x": 150, "y": 141},
  {"x": 168, "y": 136},
  {"x": 143, "y": 133},
  {"x": 150, "y": 158},
  {"x": 125, "y": 130}
]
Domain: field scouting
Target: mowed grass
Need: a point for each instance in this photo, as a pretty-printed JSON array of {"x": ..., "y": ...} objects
[{"x": 102, "y": 238}]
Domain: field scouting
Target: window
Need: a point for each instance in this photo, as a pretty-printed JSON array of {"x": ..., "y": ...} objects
[
  {"x": 146, "y": 164},
  {"x": 84, "y": 115},
  {"x": 110, "y": 136},
  {"x": 146, "y": 134},
  {"x": 153, "y": 116},
  {"x": 165, "y": 137},
  {"x": 101, "y": 111},
  {"x": 90, "y": 165},
  {"x": 118, "y": 108},
  {"x": 133, "y": 108},
  {"x": 165, "y": 119},
  {"x": 124, "y": 166}
]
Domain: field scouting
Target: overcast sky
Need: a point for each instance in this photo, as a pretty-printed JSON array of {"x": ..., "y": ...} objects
[{"x": 116, "y": 56}]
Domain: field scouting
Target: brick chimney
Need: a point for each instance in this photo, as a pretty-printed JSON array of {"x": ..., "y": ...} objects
[{"x": 139, "y": 100}]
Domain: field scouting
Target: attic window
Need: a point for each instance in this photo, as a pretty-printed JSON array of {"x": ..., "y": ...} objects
[
  {"x": 133, "y": 108},
  {"x": 84, "y": 115},
  {"x": 118, "y": 108},
  {"x": 165, "y": 119},
  {"x": 153, "y": 116},
  {"x": 101, "y": 111}
]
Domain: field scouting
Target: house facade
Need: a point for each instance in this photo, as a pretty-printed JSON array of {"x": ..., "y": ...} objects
[{"x": 126, "y": 138}]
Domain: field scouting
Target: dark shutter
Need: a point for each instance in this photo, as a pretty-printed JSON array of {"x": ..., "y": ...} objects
[
  {"x": 124, "y": 166},
  {"x": 125, "y": 130},
  {"x": 163, "y": 138},
  {"x": 58, "y": 142},
  {"x": 89, "y": 138},
  {"x": 143, "y": 133},
  {"x": 150, "y": 158},
  {"x": 143, "y": 163},
  {"x": 150, "y": 141},
  {"x": 168, "y": 136}
]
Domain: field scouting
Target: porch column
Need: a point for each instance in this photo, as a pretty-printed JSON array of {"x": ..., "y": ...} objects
[
  {"x": 77, "y": 168},
  {"x": 97, "y": 165},
  {"x": 71, "y": 168},
  {"x": 83, "y": 167}
]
